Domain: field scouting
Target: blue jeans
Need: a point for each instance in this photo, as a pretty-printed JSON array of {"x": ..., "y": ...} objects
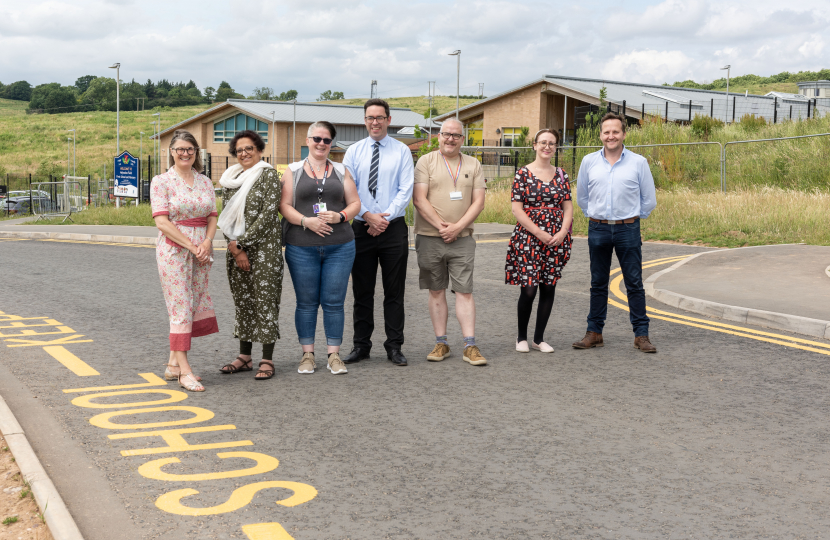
[
  {"x": 320, "y": 275},
  {"x": 624, "y": 238}
]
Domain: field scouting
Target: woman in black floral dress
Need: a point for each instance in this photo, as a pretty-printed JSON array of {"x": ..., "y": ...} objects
[{"x": 541, "y": 242}]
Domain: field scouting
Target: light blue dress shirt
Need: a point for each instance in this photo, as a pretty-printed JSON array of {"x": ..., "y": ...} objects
[
  {"x": 396, "y": 176},
  {"x": 622, "y": 191}
]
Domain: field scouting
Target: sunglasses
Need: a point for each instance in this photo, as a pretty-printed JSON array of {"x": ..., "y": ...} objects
[{"x": 324, "y": 140}]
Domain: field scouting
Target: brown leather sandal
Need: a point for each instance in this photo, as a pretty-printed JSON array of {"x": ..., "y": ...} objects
[
  {"x": 228, "y": 369},
  {"x": 266, "y": 373}
]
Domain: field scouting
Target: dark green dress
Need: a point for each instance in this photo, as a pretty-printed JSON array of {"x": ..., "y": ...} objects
[{"x": 257, "y": 293}]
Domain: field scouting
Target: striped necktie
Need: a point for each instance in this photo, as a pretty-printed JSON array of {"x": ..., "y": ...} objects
[{"x": 373, "y": 171}]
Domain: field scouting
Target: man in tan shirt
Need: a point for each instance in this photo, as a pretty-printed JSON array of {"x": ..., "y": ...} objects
[{"x": 448, "y": 197}]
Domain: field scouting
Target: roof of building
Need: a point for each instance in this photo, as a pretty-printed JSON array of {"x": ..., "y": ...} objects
[
  {"x": 787, "y": 97},
  {"x": 306, "y": 113},
  {"x": 822, "y": 83},
  {"x": 635, "y": 95}
]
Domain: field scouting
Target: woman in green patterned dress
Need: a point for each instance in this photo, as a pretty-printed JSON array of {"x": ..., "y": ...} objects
[{"x": 251, "y": 198}]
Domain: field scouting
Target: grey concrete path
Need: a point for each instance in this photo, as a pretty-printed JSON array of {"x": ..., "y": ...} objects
[{"x": 787, "y": 282}]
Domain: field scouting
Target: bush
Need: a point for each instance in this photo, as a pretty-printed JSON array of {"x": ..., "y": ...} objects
[
  {"x": 703, "y": 126},
  {"x": 751, "y": 123}
]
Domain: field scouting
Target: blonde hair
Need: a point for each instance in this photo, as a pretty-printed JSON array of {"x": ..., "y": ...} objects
[{"x": 184, "y": 135}]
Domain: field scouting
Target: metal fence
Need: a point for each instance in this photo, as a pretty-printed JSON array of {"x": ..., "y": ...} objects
[{"x": 797, "y": 162}]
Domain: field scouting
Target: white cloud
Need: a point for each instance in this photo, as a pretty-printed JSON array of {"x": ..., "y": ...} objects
[{"x": 342, "y": 46}]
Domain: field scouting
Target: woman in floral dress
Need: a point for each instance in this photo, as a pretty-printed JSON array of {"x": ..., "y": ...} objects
[
  {"x": 541, "y": 242},
  {"x": 184, "y": 209},
  {"x": 250, "y": 221}
]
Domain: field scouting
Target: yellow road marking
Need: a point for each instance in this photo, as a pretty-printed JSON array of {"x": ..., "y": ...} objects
[
  {"x": 266, "y": 531},
  {"x": 264, "y": 464},
  {"x": 151, "y": 378},
  {"x": 70, "y": 361},
  {"x": 768, "y": 337},
  {"x": 173, "y": 396},
  {"x": 241, "y": 497}
]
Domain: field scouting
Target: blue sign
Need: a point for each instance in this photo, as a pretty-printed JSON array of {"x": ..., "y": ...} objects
[{"x": 126, "y": 175}]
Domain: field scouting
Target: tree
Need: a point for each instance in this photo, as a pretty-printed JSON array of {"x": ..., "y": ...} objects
[
  {"x": 193, "y": 92},
  {"x": 287, "y": 96},
  {"x": 328, "y": 95},
  {"x": 225, "y": 92},
  {"x": 263, "y": 93},
  {"x": 82, "y": 83},
  {"x": 224, "y": 84},
  {"x": 209, "y": 92},
  {"x": 149, "y": 89},
  {"x": 434, "y": 113},
  {"x": 54, "y": 98},
  {"x": 20, "y": 91},
  {"x": 101, "y": 93}
]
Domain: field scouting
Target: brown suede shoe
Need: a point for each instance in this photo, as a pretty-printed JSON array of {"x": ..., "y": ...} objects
[
  {"x": 644, "y": 344},
  {"x": 591, "y": 339}
]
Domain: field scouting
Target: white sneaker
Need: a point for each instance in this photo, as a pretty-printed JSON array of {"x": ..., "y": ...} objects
[
  {"x": 521, "y": 346},
  {"x": 544, "y": 347}
]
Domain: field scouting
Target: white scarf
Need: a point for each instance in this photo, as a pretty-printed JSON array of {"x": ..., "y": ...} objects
[{"x": 232, "y": 219}]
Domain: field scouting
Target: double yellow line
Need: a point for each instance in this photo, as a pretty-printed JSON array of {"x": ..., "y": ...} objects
[{"x": 769, "y": 337}]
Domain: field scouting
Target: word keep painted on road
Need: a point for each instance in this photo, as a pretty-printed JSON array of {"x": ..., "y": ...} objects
[
  {"x": 126, "y": 168},
  {"x": 52, "y": 336}
]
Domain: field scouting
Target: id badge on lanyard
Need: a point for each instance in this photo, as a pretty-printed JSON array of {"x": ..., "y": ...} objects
[{"x": 454, "y": 195}]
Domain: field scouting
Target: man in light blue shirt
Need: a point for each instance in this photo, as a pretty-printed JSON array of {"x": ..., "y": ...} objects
[
  {"x": 384, "y": 172},
  {"x": 615, "y": 190}
]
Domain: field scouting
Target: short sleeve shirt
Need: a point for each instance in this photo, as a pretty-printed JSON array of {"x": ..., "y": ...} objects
[{"x": 432, "y": 170}]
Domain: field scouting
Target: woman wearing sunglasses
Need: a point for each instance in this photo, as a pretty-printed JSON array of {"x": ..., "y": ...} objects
[
  {"x": 319, "y": 199},
  {"x": 184, "y": 209},
  {"x": 250, "y": 222}
]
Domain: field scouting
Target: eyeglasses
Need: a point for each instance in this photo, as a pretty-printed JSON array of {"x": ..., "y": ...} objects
[
  {"x": 324, "y": 140},
  {"x": 245, "y": 150},
  {"x": 547, "y": 144},
  {"x": 453, "y": 136},
  {"x": 182, "y": 151},
  {"x": 372, "y": 119}
]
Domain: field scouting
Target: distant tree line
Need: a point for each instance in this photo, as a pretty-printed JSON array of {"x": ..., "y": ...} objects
[
  {"x": 99, "y": 93},
  {"x": 754, "y": 80}
]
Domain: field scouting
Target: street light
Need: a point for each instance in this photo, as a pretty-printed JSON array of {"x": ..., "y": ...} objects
[
  {"x": 74, "y": 155},
  {"x": 140, "y": 144},
  {"x": 155, "y": 158},
  {"x": 273, "y": 140},
  {"x": 117, "y": 68},
  {"x": 158, "y": 142},
  {"x": 67, "y": 154},
  {"x": 294, "y": 142},
  {"x": 457, "y": 80},
  {"x": 727, "y": 68}
]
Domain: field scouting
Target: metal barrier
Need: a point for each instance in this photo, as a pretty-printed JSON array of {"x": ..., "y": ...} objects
[{"x": 60, "y": 204}]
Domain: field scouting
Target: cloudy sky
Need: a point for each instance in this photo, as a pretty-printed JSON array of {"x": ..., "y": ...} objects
[{"x": 342, "y": 46}]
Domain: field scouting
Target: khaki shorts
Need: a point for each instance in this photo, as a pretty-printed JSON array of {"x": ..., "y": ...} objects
[{"x": 440, "y": 263}]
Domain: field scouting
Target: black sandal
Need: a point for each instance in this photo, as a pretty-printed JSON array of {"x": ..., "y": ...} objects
[
  {"x": 267, "y": 373},
  {"x": 227, "y": 369}
]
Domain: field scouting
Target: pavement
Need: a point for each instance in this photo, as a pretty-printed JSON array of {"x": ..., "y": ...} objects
[
  {"x": 721, "y": 434},
  {"x": 782, "y": 286}
]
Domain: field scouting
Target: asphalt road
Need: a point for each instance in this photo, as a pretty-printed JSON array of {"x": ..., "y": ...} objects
[{"x": 721, "y": 434}]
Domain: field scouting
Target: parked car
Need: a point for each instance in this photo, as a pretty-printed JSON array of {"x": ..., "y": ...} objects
[{"x": 22, "y": 205}]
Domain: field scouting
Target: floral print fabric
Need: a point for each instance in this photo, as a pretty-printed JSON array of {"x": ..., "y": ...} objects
[
  {"x": 256, "y": 294},
  {"x": 184, "y": 280},
  {"x": 529, "y": 261}
]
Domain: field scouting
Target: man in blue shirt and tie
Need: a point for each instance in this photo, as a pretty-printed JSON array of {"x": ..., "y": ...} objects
[
  {"x": 615, "y": 190},
  {"x": 384, "y": 172}
]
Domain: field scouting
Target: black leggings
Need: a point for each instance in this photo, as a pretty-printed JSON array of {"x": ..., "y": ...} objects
[
  {"x": 526, "y": 298},
  {"x": 247, "y": 347}
]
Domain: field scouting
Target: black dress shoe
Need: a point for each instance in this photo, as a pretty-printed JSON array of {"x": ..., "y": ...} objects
[
  {"x": 356, "y": 355},
  {"x": 396, "y": 357}
]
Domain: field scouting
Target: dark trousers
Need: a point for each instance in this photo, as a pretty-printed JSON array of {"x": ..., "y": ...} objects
[
  {"x": 624, "y": 238},
  {"x": 390, "y": 249}
]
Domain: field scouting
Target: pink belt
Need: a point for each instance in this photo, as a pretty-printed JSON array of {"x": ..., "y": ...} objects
[{"x": 191, "y": 222}]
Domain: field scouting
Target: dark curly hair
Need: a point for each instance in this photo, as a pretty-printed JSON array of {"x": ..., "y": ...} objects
[{"x": 246, "y": 134}]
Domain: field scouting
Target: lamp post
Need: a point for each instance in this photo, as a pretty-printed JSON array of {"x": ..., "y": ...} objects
[
  {"x": 74, "y": 155},
  {"x": 154, "y": 145},
  {"x": 117, "y": 68},
  {"x": 158, "y": 142},
  {"x": 457, "y": 54},
  {"x": 273, "y": 140},
  {"x": 67, "y": 154},
  {"x": 294, "y": 141},
  {"x": 727, "y": 68}
]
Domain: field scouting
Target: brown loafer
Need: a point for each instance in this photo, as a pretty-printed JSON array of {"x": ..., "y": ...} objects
[
  {"x": 644, "y": 344},
  {"x": 591, "y": 340}
]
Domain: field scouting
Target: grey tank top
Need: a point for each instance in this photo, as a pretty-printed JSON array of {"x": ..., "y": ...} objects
[{"x": 306, "y": 197}]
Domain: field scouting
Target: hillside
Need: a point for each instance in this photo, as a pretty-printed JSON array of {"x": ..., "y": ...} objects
[{"x": 37, "y": 143}]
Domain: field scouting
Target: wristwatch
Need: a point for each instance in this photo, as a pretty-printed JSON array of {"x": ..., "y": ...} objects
[{"x": 342, "y": 217}]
